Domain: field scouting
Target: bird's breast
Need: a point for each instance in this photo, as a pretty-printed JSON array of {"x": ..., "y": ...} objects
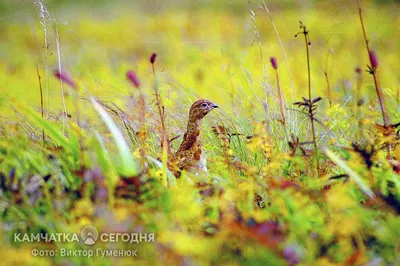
[{"x": 198, "y": 164}]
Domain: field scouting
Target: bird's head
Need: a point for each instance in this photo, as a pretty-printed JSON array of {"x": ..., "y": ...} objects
[{"x": 200, "y": 109}]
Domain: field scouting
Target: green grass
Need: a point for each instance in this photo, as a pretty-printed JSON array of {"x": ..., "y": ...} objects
[{"x": 262, "y": 201}]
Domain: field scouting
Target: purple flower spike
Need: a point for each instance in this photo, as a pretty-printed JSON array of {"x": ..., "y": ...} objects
[
  {"x": 153, "y": 58},
  {"x": 374, "y": 59},
  {"x": 131, "y": 75},
  {"x": 64, "y": 77},
  {"x": 274, "y": 63}
]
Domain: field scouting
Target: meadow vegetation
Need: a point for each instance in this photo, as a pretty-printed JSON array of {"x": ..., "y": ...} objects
[{"x": 303, "y": 153}]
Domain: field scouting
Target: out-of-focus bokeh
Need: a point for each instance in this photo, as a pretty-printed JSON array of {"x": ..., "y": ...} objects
[
  {"x": 200, "y": 45},
  {"x": 262, "y": 202}
]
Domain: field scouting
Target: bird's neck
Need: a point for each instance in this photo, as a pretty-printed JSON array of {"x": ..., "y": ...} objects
[
  {"x": 191, "y": 137},
  {"x": 193, "y": 127}
]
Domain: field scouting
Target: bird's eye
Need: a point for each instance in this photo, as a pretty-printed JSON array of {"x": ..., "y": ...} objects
[{"x": 204, "y": 105}]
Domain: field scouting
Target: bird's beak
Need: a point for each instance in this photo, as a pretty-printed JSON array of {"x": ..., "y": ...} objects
[{"x": 214, "y": 106}]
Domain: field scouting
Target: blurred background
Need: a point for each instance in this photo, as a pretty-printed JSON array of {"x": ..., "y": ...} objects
[
  {"x": 218, "y": 50},
  {"x": 212, "y": 49}
]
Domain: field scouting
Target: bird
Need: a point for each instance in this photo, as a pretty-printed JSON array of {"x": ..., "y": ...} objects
[{"x": 190, "y": 156}]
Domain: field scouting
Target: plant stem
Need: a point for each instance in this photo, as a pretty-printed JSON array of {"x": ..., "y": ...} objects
[
  {"x": 257, "y": 33},
  {"x": 358, "y": 103},
  {"x": 378, "y": 90},
  {"x": 161, "y": 113},
  {"x": 385, "y": 118},
  {"x": 358, "y": 94},
  {"x": 165, "y": 144},
  {"x": 142, "y": 121},
  {"x": 329, "y": 89},
  {"x": 41, "y": 99},
  {"x": 280, "y": 100},
  {"x": 386, "y": 122},
  {"x": 293, "y": 92},
  {"x": 310, "y": 99}
]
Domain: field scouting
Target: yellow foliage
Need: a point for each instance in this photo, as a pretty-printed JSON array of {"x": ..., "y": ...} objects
[
  {"x": 339, "y": 199},
  {"x": 325, "y": 262},
  {"x": 22, "y": 256},
  {"x": 186, "y": 244},
  {"x": 186, "y": 204},
  {"x": 83, "y": 208},
  {"x": 261, "y": 141}
]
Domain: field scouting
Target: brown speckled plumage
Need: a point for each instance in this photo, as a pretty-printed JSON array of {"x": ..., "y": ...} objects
[{"x": 189, "y": 156}]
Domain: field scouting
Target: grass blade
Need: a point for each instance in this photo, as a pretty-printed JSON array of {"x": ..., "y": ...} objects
[
  {"x": 129, "y": 166},
  {"x": 342, "y": 164},
  {"x": 51, "y": 129},
  {"x": 103, "y": 160}
]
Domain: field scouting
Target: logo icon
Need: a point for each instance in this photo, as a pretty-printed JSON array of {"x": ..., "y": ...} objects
[{"x": 89, "y": 235}]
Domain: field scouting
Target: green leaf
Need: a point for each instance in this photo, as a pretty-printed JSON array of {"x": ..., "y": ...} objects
[{"x": 129, "y": 166}]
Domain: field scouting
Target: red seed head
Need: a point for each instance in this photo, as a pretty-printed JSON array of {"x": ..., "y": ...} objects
[
  {"x": 274, "y": 63},
  {"x": 153, "y": 58},
  {"x": 358, "y": 70},
  {"x": 131, "y": 76},
  {"x": 64, "y": 77},
  {"x": 373, "y": 59}
]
